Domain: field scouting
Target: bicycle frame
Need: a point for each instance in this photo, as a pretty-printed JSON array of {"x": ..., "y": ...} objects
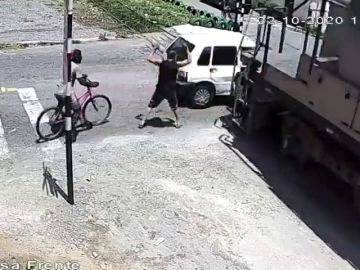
[{"x": 84, "y": 97}]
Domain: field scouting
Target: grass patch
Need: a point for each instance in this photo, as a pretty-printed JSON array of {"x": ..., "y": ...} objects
[
  {"x": 12, "y": 46},
  {"x": 86, "y": 13}
]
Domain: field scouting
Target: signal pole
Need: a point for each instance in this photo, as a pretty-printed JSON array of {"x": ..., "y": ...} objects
[
  {"x": 65, "y": 44},
  {"x": 242, "y": 13},
  {"x": 68, "y": 121},
  {"x": 240, "y": 8}
]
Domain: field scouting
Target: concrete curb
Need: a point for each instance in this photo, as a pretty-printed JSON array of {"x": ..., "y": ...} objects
[{"x": 26, "y": 44}]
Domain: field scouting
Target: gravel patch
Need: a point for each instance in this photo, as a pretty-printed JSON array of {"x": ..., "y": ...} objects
[
  {"x": 37, "y": 20},
  {"x": 179, "y": 200}
]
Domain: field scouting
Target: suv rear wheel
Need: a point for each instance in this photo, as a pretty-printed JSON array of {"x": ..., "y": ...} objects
[{"x": 203, "y": 95}]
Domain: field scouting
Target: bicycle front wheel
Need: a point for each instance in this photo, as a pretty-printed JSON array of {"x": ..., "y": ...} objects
[
  {"x": 50, "y": 123},
  {"x": 97, "y": 109}
]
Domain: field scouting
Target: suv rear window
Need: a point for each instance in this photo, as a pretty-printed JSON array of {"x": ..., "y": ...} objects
[
  {"x": 224, "y": 56},
  {"x": 204, "y": 59},
  {"x": 178, "y": 47}
]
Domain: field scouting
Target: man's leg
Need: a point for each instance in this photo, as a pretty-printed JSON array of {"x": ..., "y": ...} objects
[
  {"x": 177, "y": 122},
  {"x": 75, "y": 106},
  {"x": 173, "y": 103},
  {"x": 156, "y": 99}
]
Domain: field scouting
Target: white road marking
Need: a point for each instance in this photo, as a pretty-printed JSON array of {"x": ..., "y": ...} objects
[
  {"x": 4, "y": 150},
  {"x": 33, "y": 108},
  {"x": 27, "y": 94}
]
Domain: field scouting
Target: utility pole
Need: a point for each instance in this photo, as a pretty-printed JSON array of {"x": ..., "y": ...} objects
[
  {"x": 65, "y": 44},
  {"x": 68, "y": 120},
  {"x": 240, "y": 8},
  {"x": 242, "y": 13}
]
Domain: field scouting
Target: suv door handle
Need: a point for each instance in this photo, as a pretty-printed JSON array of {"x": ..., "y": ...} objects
[{"x": 212, "y": 70}]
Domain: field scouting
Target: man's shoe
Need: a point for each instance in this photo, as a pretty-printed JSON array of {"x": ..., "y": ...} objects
[{"x": 142, "y": 124}]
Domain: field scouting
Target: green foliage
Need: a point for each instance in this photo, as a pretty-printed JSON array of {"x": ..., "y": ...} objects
[
  {"x": 152, "y": 15},
  {"x": 12, "y": 46},
  {"x": 145, "y": 15}
]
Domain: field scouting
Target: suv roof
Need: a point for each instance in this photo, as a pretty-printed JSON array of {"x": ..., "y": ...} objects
[{"x": 211, "y": 36}]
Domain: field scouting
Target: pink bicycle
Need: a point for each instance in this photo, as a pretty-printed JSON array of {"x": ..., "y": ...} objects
[{"x": 94, "y": 109}]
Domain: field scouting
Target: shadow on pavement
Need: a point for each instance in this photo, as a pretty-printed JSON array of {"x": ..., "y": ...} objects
[
  {"x": 156, "y": 122},
  {"x": 78, "y": 128},
  {"x": 317, "y": 197},
  {"x": 49, "y": 183},
  {"x": 160, "y": 123}
]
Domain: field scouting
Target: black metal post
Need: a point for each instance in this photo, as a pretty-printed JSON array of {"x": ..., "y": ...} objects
[
  {"x": 283, "y": 31},
  {"x": 267, "y": 46},
  {"x": 318, "y": 33},
  {"x": 258, "y": 36},
  {"x": 290, "y": 6},
  {"x": 282, "y": 37},
  {"x": 306, "y": 40},
  {"x": 65, "y": 43},
  {"x": 237, "y": 8},
  {"x": 265, "y": 27},
  {"x": 242, "y": 13},
  {"x": 68, "y": 120}
]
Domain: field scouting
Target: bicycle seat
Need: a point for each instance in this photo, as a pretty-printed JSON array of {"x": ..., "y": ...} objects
[
  {"x": 59, "y": 97},
  {"x": 93, "y": 84},
  {"x": 88, "y": 83}
]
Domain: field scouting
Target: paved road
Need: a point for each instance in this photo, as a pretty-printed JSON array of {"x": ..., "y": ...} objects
[{"x": 124, "y": 76}]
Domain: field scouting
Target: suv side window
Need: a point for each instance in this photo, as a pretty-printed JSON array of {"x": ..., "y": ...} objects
[
  {"x": 224, "y": 56},
  {"x": 204, "y": 59}
]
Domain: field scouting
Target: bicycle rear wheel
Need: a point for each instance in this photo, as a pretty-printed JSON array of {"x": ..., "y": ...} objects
[
  {"x": 50, "y": 123},
  {"x": 97, "y": 109}
]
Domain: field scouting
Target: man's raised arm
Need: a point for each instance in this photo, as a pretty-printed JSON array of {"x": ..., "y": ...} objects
[{"x": 153, "y": 60}]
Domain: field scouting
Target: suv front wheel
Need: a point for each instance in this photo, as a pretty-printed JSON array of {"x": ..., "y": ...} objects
[{"x": 203, "y": 95}]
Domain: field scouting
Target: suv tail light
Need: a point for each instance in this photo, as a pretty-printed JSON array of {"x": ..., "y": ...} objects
[{"x": 183, "y": 76}]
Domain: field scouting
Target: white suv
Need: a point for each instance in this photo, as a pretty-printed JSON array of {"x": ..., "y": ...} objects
[{"x": 214, "y": 53}]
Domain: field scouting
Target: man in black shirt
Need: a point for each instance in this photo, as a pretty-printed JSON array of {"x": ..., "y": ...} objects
[
  {"x": 228, "y": 6},
  {"x": 166, "y": 86}
]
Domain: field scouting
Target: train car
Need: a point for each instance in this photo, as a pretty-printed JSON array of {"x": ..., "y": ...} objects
[{"x": 311, "y": 82}]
